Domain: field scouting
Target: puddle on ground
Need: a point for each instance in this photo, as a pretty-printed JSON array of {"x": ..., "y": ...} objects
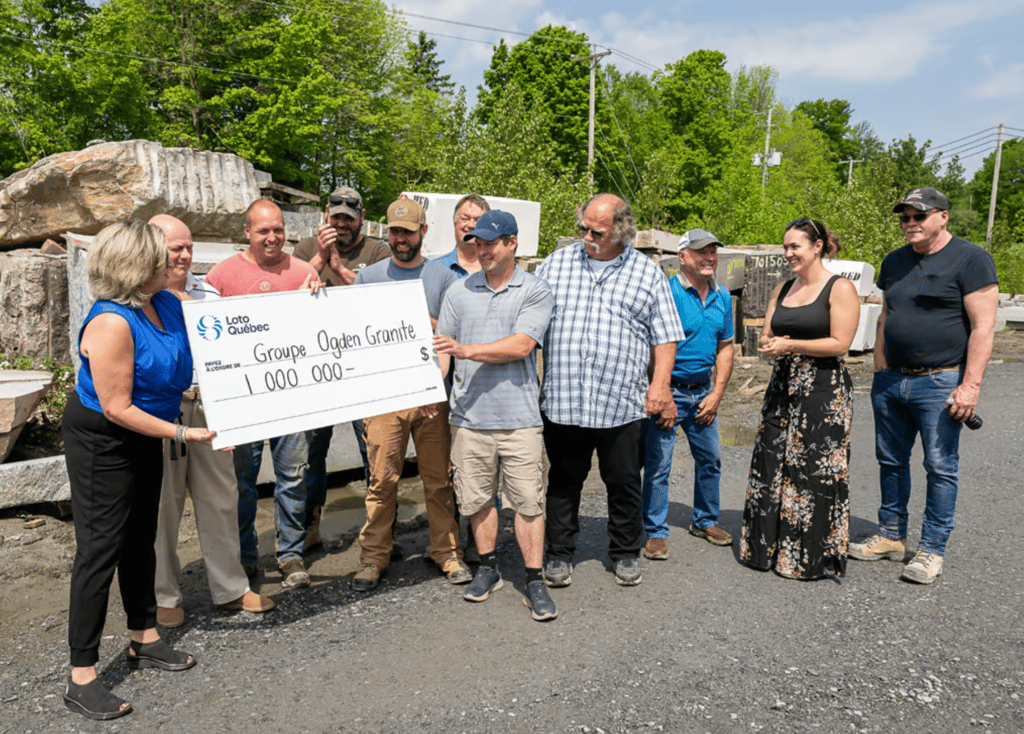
[
  {"x": 345, "y": 510},
  {"x": 731, "y": 434}
]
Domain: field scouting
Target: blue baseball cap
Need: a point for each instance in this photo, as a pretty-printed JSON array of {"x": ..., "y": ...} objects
[{"x": 492, "y": 225}]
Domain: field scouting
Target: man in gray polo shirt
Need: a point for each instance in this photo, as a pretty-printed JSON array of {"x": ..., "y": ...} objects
[{"x": 492, "y": 322}]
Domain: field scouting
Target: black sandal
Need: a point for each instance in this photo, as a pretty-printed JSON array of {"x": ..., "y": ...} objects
[
  {"x": 158, "y": 655},
  {"x": 93, "y": 701}
]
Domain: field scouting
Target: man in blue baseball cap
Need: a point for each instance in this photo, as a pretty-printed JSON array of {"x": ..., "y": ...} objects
[{"x": 492, "y": 322}]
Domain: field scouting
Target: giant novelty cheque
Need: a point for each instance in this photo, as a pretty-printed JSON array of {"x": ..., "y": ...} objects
[{"x": 279, "y": 363}]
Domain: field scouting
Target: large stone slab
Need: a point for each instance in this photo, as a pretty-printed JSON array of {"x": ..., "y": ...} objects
[
  {"x": 34, "y": 298},
  {"x": 34, "y": 481},
  {"x": 88, "y": 189}
]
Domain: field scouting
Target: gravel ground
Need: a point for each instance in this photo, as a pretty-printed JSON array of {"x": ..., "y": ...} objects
[{"x": 702, "y": 645}]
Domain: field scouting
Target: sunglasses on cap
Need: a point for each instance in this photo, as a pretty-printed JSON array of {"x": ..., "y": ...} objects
[
  {"x": 349, "y": 201},
  {"x": 595, "y": 233},
  {"x": 919, "y": 217},
  {"x": 801, "y": 220}
]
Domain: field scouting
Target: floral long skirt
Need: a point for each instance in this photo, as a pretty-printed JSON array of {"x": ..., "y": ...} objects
[{"x": 797, "y": 514}]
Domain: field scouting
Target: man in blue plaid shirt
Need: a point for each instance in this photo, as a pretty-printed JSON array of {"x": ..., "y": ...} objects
[{"x": 614, "y": 315}]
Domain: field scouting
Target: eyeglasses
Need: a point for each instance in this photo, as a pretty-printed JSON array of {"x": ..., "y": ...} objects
[
  {"x": 920, "y": 217},
  {"x": 349, "y": 201},
  {"x": 801, "y": 220},
  {"x": 595, "y": 233}
]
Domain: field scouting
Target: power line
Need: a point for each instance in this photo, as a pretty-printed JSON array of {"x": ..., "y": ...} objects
[
  {"x": 978, "y": 141},
  {"x": 973, "y": 135},
  {"x": 625, "y": 140},
  {"x": 611, "y": 152},
  {"x": 982, "y": 148}
]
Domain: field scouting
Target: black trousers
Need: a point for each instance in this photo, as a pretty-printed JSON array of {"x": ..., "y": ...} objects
[
  {"x": 570, "y": 450},
  {"x": 115, "y": 478}
]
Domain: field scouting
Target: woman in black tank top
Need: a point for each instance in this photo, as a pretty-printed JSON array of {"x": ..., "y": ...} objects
[{"x": 796, "y": 516}]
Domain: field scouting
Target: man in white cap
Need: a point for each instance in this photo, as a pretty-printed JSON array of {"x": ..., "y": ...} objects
[{"x": 700, "y": 375}]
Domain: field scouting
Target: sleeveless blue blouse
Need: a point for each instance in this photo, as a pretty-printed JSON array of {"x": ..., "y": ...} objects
[{"x": 163, "y": 362}]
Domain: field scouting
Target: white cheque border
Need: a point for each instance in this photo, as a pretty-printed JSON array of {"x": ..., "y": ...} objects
[{"x": 269, "y": 365}]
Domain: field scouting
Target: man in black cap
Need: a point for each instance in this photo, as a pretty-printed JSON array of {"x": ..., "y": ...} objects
[
  {"x": 934, "y": 341},
  {"x": 338, "y": 252}
]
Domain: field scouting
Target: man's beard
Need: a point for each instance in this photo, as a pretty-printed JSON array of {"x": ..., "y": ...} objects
[
  {"x": 412, "y": 254},
  {"x": 344, "y": 242}
]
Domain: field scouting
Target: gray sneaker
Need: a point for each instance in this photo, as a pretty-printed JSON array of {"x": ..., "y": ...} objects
[
  {"x": 627, "y": 572},
  {"x": 557, "y": 573},
  {"x": 537, "y": 598},
  {"x": 487, "y": 579}
]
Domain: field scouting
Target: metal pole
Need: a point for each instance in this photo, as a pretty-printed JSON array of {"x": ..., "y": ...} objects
[{"x": 995, "y": 186}]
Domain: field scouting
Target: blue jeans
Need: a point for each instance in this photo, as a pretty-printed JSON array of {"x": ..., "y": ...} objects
[
  {"x": 316, "y": 477},
  {"x": 707, "y": 457},
  {"x": 905, "y": 406},
  {"x": 290, "y": 455}
]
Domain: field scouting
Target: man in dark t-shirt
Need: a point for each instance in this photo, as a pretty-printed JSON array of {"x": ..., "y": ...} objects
[
  {"x": 935, "y": 339},
  {"x": 338, "y": 252}
]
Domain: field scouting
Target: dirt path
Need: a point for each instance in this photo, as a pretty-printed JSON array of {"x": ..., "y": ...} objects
[{"x": 35, "y": 563}]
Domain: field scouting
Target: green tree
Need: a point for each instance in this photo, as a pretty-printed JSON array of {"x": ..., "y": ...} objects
[
  {"x": 511, "y": 156},
  {"x": 41, "y": 109},
  {"x": 543, "y": 70},
  {"x": 696, "y": 93},
  {"x": 421, "y": 57}
]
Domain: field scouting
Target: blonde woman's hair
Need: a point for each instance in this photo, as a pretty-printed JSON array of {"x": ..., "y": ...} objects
[{"x": 122, "y": 258}]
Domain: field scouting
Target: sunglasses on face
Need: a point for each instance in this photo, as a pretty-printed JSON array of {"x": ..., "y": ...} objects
[
  {"x": 595, "y": 233},
  {"x": 349, "y": 201},
  {"x": 920, "y": 217}
]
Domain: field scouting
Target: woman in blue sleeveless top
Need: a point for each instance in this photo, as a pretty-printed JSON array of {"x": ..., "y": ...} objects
[
  {"x": 135, "y": 366},
  {"x": 796, "y": 516}
]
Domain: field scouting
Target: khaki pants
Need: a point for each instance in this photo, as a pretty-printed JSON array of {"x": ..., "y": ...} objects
[
  {"x": 387, "y": 438},
  {"x": 209, "y": 476}
]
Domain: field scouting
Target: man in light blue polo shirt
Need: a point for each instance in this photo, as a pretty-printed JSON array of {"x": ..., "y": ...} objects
[
  {"x": 462, "y": 260},
  {"x": 705, "y": 308},
  {"x": 492, "y": 322}
]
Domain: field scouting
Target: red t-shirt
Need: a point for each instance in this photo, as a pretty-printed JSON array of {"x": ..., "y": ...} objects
[{"x": 239, "y": 276}]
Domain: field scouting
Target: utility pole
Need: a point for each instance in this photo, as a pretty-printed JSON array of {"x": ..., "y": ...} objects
[
  {"x": 764, "y": 158},
  {"x": 593, "y": 73},
  {"x": 849, "y": 176},
  {"x": 995, "y": 186}
]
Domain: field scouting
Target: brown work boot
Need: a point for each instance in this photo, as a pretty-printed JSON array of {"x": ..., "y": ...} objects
[
  {"x": 456, "y": 571},
  {"x": 923, "y": 568},
  {"x": 878, "y": 547},
  {"x": 313, "y": 540},
  {"x": 366, "y": 578},
  {"x": 295, "y": 574},
  {"x": 714, "y": 534},
  {"x": 656, "y": 549},
  {"x": 170, "y": 617}
]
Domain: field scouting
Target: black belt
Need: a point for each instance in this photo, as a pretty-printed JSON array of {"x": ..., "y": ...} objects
[
  {"x": 921, "y": 371},
  {"x": 691, "y": 386}
]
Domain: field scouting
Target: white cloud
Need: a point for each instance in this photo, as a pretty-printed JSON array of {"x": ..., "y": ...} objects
[{"x": 1006, "y": 83}]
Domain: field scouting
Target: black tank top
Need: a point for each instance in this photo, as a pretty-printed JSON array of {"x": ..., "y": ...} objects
[{"x": 803, "y": 322}]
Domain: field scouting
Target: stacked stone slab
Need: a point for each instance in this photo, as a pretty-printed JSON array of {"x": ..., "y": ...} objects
[
  {"x": 34, "y": 297},
  {"x": 85, "y": 190}
]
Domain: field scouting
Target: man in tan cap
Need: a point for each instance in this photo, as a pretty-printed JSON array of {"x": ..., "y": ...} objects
[
  {"x": 387, "y": 436},
  {"x": 338, "y": 252}
]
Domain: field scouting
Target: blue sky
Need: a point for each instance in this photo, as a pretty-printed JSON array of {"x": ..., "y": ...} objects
[{"x": 939, "y": 71}]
